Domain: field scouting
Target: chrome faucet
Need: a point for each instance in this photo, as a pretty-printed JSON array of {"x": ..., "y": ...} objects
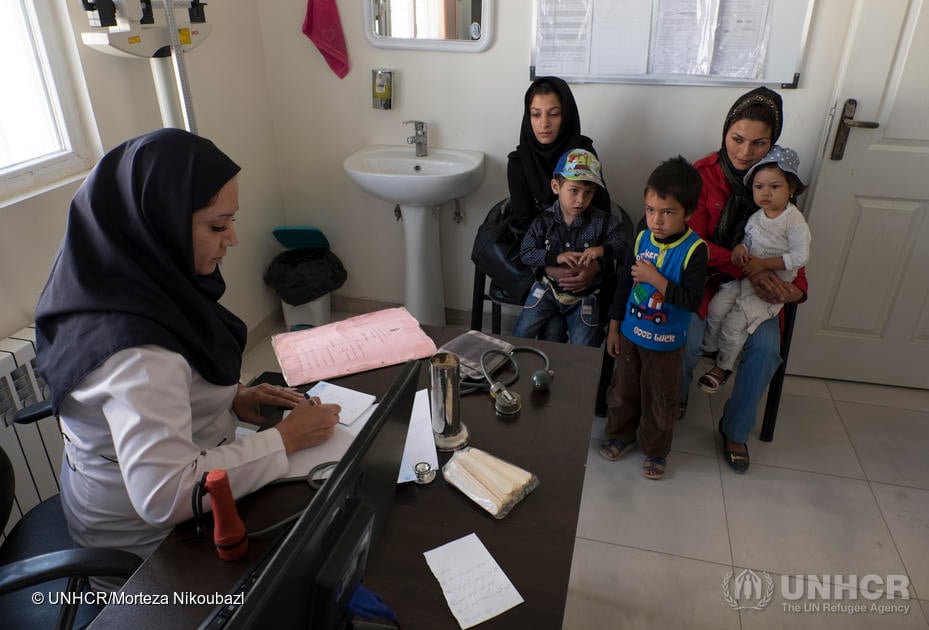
[{"x": 419, "y": 138}]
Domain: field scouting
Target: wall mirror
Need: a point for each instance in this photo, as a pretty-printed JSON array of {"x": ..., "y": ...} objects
[{"x": 451, "y": 25}]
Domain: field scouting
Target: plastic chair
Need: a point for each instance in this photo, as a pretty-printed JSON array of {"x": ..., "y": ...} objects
[{"x": 39, "y": 551}]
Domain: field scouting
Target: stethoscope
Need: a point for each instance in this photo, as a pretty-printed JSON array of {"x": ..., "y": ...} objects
[{"x": 505, "y": 401}]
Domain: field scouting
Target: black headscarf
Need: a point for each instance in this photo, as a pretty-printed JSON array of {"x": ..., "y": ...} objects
[
  {"x": 740, "y": 205},
  {"x": 538, "y": 160},
  {"x": 124, "y": 274}
]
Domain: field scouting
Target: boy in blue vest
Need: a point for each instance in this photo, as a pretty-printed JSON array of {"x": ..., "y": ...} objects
[{"x": 659, "y": 286}]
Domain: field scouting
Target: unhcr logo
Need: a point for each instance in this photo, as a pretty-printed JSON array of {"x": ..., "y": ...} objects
[
  {"x": 820, "y": 594},
  {"x": 744, "y": 592}
]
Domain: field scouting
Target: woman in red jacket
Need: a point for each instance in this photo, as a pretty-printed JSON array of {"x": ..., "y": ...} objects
[{"x": 751, "y": 128}]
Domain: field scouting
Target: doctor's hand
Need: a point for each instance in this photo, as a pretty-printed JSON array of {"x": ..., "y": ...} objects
[
  {"x": 308, "y": 424},
  {"x": 248, "y": 400}
]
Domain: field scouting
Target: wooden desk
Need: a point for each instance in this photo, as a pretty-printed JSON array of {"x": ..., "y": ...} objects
[{"x": 533, "y": 544}]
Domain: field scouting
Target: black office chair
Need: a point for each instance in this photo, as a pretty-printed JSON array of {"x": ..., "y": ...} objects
[{"x": 38, "y": 556}]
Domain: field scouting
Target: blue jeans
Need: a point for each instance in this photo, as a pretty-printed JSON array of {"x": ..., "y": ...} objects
[
  {"x": 761, "y": 356},
  {"x": 582, "y": 318}
]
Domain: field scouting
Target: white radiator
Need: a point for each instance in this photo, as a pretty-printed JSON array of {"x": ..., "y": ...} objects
[{"x": 34, "y": 449}]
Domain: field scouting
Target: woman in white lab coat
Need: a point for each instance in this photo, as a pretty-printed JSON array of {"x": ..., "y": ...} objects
[{"x": 141, "y": 359}]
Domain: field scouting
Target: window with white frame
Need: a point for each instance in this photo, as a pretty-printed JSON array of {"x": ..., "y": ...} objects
[{"x": 42, "y": 140}]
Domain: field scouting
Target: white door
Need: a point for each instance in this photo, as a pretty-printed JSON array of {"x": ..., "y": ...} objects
[{"x": 867, "y": 318}]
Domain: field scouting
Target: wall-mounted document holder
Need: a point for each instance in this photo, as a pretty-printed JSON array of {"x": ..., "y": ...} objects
[{"x": 683, "y": 42}]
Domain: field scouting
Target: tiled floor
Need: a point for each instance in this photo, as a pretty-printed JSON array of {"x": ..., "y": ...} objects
[{"x": 843, "y": 490}]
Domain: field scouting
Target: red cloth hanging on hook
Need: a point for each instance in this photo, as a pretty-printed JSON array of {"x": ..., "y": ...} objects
[{"x": 324, "y": 28}]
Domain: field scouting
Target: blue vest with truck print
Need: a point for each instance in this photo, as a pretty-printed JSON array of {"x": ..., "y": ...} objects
[{"x": 649, "y": 321}]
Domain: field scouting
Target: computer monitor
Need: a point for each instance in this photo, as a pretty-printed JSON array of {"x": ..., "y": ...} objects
[{"x": 310, "y": 576}]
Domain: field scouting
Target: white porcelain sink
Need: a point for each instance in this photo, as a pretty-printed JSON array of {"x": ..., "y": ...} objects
[
  {"x": 394, "y": 173},
  {"x": 419, "y": 185}
]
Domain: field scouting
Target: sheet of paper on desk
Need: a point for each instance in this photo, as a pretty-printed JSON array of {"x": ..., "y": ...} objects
[
  {"x": 365, "y": 342},
  {"x": 420, "y": 441},
  {"x": 475, "y": 586},
  {"x": 302, "y": 462},
  {"x": 353, "y": 403}
]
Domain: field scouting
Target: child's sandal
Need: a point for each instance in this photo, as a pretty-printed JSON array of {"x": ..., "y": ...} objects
[
  {"x": 654, "y": 467},
  {"x": 714, "y": 379},
  {"x": 614, "y": 449}
]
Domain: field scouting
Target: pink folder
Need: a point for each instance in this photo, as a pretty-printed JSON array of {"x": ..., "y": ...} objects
[{"x": 357, "y": 344}]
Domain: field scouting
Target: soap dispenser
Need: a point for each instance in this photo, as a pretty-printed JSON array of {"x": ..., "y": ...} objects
[{"x": 381, "y": 88}]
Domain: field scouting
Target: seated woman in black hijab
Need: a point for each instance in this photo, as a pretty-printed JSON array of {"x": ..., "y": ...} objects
[
  {"x": 142, "y": 360},
  {"x": 551, "y": 127}
]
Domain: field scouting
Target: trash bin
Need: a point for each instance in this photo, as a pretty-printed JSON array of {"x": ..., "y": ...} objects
[{"x": 304, "y": 276}]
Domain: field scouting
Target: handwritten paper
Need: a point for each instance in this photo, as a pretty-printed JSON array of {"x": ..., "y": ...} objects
[
  {"x": 475, "y": 586},
  {"x": 420, "y": 441},
  {"x": 357, "y": 344},
  {"x": 300, "y": 463},
  {"x": 353, "y": 403}
]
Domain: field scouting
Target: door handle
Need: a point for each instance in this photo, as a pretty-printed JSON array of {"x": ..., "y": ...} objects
[
  {"x": 847, "y": 122},
  {"x": 860, "y": 124}
]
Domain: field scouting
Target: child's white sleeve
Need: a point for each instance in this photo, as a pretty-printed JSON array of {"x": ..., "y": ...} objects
[
  {"x": 750, "y": 227},
  {"x": 798, "y": 243}
]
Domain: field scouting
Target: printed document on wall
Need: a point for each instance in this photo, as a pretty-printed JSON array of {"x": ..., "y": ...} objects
[
  {"x": 683, "y": 41},
  {"x": 563, "y": 37},
  {"x": 741, "y": 39},
  {"x": 619, "y": 42}
]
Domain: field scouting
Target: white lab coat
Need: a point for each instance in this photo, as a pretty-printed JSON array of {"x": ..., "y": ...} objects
[{"x": 148, "y": 410}]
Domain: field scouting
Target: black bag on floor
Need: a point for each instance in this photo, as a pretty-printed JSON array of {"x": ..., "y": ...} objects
[
  {"x": 496, "y": 253},
  {"x": 303, "y": 275}
]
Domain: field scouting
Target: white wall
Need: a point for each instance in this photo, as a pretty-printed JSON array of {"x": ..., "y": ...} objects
[
  {"x": 232, "y": 108},
  {"x": 474, "y": 101},
  {"x": 263, "y": 92}
]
